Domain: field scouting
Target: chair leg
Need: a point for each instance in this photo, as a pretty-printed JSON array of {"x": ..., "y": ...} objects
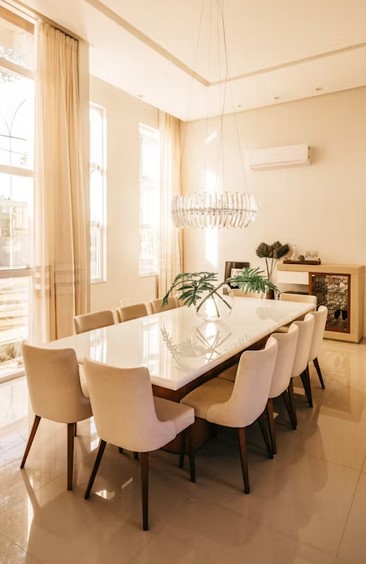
[
  {"x": 75, "y": 429},
  {"x": 291, "y": 404},
  {"x": 265, "y": 436},
  {"x": 271, "y": 425},
  {"x": 136, "y": 455},
  {"x": 305, "y": 378},
  {"x": 145, "y": 490},
  {"x": 182, "y": 448},
  {"x": 70, "y": 453},
  {"x": 191, "y": 456},
  {"x": 320, "y": 376},
  {"x": 244, "y": 459},
  {"x": 120, "y": 450},
  {"x": 98, "y": 459},
  {"x": 33, "y": 432}
]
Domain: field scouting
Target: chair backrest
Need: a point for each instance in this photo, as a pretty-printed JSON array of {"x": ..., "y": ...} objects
[
  {"x": 125, "y": 313},
  {"x": 54, "y": 384},
  {"x": 305, "y": 298},
  {"x": 287, "y": 343},
  {"x": 242, "y": 294},
  {"x": 250, "y": 391},
  {"x": 94, "y": 320},
  {"x": 320, "y": 319},
  {"x": 123, "y": 407},
  {"x": 157, "y": 305},
  {"x": 306, "y": 328}
]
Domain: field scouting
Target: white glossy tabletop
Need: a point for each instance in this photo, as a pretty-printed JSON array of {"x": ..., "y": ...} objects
[{"x": 177, "y": 346}]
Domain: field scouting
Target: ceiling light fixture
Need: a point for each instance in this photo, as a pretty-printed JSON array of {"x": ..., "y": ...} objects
[{"x": 217, "y": 209}]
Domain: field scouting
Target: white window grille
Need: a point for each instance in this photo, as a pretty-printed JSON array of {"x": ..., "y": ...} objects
[
  {"x": 149, "y": 200},
  {"x": 97, "y": 194}
]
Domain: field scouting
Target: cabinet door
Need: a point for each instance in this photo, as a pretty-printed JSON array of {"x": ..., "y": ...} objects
[{"x": 334, "y": 292}]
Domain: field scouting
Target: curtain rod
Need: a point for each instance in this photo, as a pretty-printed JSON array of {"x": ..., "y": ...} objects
[{"x": 33, "y": 16}]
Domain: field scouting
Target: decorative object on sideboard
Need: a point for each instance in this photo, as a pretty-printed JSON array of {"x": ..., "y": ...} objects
[
  {"x": 272, "y": 254},
  {"x": 201, "y": 290}
]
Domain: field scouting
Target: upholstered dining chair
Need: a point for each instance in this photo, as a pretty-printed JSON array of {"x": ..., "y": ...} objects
[
  {"x": 157, "y": 305},
  {"x": 55, "y": 394},
  {"x": 238, "y": 404},
  {"x": 287, "y": 343},
  {"x": 94, "y": 320},
  {"x": 305, "y": 298},
  {"x": 320, "y": 319},
  {"x": 300, "y": 366},
  {"x": 133, "y": 311},
  {"x": 127, "y": 415}
]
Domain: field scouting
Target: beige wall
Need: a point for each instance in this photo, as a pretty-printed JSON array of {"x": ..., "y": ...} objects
[
  {"x": 319, "y": 207},
  {"x": 124, "y": 113}
]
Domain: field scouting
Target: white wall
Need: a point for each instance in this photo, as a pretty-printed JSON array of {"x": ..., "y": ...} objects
[
  {"x": 319, "y": 207},
  {"x": 124, "y": 113}
]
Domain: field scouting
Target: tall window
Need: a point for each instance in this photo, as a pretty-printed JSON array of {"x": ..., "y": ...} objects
[
  {"x": 16, "y": 185},
  {"x": 149, "y": 200},
  {"x": 97, "y": 194}
]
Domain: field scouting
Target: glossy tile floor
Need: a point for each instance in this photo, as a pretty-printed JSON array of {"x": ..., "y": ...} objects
[{"x": 308, "y": 505}]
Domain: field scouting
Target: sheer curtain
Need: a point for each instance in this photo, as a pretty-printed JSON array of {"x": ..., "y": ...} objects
[
  {"x": 171, "y": 262},
  {"x": 61, "y": 255}
]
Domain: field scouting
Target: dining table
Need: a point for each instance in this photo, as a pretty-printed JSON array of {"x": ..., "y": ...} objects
[{"x": 180, "y": 349}]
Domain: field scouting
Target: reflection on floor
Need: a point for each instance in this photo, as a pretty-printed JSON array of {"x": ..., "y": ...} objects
[{"x": 308, "y": 505}]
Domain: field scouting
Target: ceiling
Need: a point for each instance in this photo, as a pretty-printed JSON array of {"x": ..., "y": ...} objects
[{"x": 171, "y": 54}]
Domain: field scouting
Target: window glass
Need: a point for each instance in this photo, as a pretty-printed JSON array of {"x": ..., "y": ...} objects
[
  {"x": 97, "y": 194},
  {"x": 149, "y": 200}
]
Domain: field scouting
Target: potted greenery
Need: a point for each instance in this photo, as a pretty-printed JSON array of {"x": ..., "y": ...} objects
[
  {"x": 201, "y": 290},
  {"x": 271, "y": 254}
]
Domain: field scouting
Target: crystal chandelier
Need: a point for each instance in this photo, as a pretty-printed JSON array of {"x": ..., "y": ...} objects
[{"x": 216, "y": 209}]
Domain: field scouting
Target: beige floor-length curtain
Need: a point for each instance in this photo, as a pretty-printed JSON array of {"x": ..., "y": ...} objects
[
  {"x": 61, "y": 256},
  {"x": 171, "y": 260}
]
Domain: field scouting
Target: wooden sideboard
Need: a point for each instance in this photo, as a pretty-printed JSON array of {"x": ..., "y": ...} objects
[{"x": 340, "y": 287}]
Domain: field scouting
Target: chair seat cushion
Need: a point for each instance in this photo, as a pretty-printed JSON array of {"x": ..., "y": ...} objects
[
  {"x": 214, "y": 391},
  {"x": 181, "y": 415}
]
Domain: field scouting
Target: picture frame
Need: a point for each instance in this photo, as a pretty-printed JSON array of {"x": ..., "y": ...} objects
[{"x": 232, "y": 268}]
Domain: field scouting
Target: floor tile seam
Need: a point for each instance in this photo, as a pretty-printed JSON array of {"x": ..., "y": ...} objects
[
  {"x": 348, "y": 514},
  {"x": 334, "y": 463},
  {"x": 20, "y": 547}
]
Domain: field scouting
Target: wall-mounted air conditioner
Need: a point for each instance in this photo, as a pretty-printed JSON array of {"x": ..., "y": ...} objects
[{"x": 277, "y": 157}]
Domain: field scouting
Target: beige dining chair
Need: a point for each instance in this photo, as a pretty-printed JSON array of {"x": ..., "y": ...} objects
[
  {"x": 287, "y": 343},
  {"x": 127, "y": 415},
  {"x": 320, "y": 320},
  {"x": 238, "y": 404},
  {"x": 55, "y": 394},
  {"x": 300, "y": 366},
  {"x": 305, "y": 298},
  {"x": 133, "y": 311},
  {"x": 94, "y": 320},
  {"x": 157, "y": 305}
]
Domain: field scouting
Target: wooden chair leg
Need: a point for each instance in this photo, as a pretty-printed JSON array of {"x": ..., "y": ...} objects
[
  {"x": 75, "y": 429},
  {"x": 271, "y": 425},
  {"x": 291, "y": 404},
  {"x": 136, "y": 455},
  {"x": 244, "y": 459},
  {"x": 33, "y": 432},
  {"x": 305, "y": 378},
  {"x": 145, "y": 490},
  {"x": 70, "y": 453},
  {"x": 98, "y": 459},
  {"x": 191, "y": 456},
  {"x": 182, "y": 447},
  {"x": 319, "y": 372},
  {"x": 265, "y": 436}
]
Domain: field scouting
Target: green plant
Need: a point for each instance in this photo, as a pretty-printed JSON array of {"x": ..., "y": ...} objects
[
  {"x": 194, "y": 288},
  {"x": 271, "y": 254}
]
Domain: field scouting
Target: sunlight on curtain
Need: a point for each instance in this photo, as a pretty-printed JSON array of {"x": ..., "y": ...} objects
[
  {"x": 61, "y": 254},
  {"x": 171, "y": 262}
]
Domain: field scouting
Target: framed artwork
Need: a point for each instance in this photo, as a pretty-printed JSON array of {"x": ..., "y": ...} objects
[{"x": 232, "y": 268}]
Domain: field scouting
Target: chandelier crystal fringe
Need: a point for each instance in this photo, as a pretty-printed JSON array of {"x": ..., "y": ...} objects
[{"x": 214, "y": 209}]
